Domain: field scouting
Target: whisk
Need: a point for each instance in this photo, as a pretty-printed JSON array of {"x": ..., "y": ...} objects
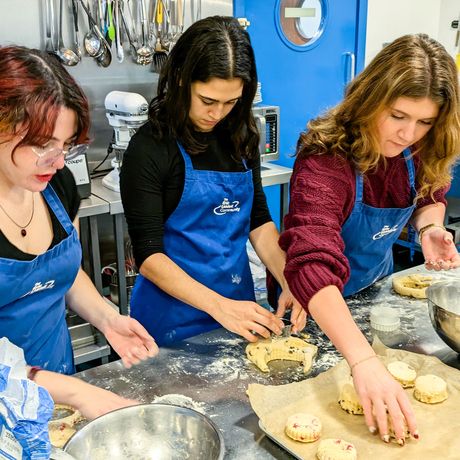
[{"x": 160, "y": 55}]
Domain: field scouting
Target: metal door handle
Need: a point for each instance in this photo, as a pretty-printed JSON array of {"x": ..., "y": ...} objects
[{"x": 349, "y": 67}]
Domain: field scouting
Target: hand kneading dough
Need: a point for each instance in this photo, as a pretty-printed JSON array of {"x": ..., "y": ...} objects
[
  {"x": 412, "y": 285},
  {"x": 336, "y": 449},
  {"x": 403, "y": 373},
  {"x": 348, "y": 399},
  {"x": 303, "y": 427},
  {"x": 290, "y": 348},
  {"x": 62, "y": 429},
  {"x": 430, "y": 389}
]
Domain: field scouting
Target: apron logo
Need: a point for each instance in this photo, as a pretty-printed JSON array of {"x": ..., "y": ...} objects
[
  {"x": 236, "y": 279},
  {"x": 40, "y": 287},
  {"x": 226, "y": 206},
  {"x": 386, "y": 230}
]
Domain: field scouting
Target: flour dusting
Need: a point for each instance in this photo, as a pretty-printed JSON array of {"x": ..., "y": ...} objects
[{"x": 182, "y": 401}]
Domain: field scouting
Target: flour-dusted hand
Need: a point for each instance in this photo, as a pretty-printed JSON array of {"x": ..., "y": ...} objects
[
  {"x": 129, "y": 339},
  {"x": 298, "y": 317},
  {"x": 246, "y": 317},
  {"x": 382, "y": 397},
  {"x": 439, "y": 249}
]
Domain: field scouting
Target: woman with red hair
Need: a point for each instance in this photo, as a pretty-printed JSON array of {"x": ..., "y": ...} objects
[{"x": 44, "y": 118}]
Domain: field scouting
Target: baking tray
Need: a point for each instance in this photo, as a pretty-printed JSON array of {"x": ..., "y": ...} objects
[{"x": 278, "y": 441}]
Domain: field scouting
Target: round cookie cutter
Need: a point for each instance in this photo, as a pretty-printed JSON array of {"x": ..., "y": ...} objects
[{"x": 385, "y": 319}]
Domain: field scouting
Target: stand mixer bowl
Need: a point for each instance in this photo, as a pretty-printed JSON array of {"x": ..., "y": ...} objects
[{"x": 444, "y": 308}]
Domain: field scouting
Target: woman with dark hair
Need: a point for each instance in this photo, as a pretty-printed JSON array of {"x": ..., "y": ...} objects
[
  {"x": 379, "y": 160},
  {"x": 44, "y": 118},
  {"x": 192, "y": 194}
]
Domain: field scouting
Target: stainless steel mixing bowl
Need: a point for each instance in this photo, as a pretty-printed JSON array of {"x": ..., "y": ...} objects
[
  {"x": 150, "y": 432},
  {"x": 444, "y": 307}
]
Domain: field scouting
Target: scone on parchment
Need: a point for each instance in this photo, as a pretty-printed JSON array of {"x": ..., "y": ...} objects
[
  {"x": 403, "y": 373},
  {"x": 336, "y": 449},
  {"x": 348, "y": 399},
  {"x": 430, "y": 389},
  {"x": 303, "y": 427}
]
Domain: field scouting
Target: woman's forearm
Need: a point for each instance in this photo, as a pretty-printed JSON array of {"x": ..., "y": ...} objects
[
  {"x": 430, "y": 214},
  {"x": 169, "y": 277},
  {"x": 331, "y": 313},
  {"x": 264, "y": 240},
  {"x": 84, "y": 299}
]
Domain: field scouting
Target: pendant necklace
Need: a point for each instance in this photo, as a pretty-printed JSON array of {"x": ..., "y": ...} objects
[{"x": 22, "y": 227}]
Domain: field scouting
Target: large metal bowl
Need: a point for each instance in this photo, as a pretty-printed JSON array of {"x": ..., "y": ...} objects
[
  {"x": 444, "y": 307},
  {"x": 150, "y": 432}
]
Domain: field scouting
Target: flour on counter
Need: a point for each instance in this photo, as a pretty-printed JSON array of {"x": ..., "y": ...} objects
[
  {"x": 182, "y": 401},
  {"x": 226, "y": 368}
]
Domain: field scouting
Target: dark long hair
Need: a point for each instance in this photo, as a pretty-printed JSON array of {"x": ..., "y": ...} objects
[
  {"x": 214, "y": 47},
  {"x": 34, "y": 86}
]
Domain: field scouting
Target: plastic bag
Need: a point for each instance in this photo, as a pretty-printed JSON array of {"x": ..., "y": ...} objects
[{"x": 25, "y": 409}]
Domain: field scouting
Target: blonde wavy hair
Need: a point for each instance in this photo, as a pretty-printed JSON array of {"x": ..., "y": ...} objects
[{"x": 412, "y": 66}]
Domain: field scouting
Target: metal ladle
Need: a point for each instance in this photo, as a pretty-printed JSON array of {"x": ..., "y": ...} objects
[
  {"x": 103, "y": 54},
  {"x": 66, "y": 55},
  {"x": 145, "y": 52},
  {"x": 91, "y": 41}
]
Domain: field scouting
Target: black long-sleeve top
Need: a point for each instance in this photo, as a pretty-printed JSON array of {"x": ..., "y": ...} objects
[{"x": 152, "y": 181}]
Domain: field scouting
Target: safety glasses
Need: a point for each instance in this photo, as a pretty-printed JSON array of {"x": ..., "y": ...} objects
[{"x": 49, "y": 155}]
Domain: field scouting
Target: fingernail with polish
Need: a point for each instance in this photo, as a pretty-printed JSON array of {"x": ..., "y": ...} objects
[
  {"x": 416, "y": 435},
  {"x": 386, "y": 438},
  {"x": 401, "y": 441},
  {"x": 372, "y": 429}
]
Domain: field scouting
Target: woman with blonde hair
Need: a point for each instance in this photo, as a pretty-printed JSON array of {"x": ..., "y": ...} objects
[{"x": 379, "y": 160}]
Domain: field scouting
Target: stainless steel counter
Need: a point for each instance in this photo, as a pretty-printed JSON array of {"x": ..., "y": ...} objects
[{"x": 210, "y": 372}]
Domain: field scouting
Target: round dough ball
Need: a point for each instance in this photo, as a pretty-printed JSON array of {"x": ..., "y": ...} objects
[
  {"x": 303, "y": 427},
  {"x": 430, "y": 389},
  {"x": 336, "y": 449},
  {"x": 403, "y": 373}
]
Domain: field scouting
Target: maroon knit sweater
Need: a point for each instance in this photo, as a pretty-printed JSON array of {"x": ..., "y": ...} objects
[{"x": 322, "y": 197}]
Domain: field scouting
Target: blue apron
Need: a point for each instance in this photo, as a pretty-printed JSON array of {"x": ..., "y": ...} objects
[
  {"x": 369, "y": 234},
  {"x": 206, "y": 236},
  {"x": 32, "y": 298}
]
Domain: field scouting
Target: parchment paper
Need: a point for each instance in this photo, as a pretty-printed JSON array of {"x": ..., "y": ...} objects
[{"x": 438, "y": 424}]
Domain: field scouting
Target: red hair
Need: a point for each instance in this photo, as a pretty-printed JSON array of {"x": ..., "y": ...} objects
[{"x": 34, "y": 86}]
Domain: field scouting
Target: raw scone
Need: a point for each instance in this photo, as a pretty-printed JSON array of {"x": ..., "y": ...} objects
[
  {"x": 430, "y": 389},
  {"x": 403, "y": 373},
  {"x": 290, "y": 348},
  {"x": 391, "y": 430},
  {"x": 336, "y": 449},
  {"x": 303, "y": 427},
  {"x": 412, "y": 285},
  {"x": 348, "y": 399}
]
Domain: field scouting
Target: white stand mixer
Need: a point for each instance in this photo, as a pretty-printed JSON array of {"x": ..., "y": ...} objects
[{"x": 126, "y": 112}]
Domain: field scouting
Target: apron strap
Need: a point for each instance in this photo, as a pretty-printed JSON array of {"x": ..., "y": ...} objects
[
  {"x": 186, "y": 157},
  {"x": 58, "y": 208}
]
